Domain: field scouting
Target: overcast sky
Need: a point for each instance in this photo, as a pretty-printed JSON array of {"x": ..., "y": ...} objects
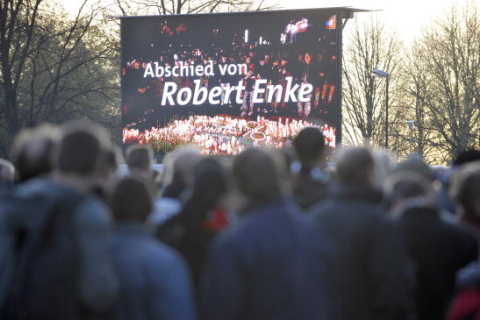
[{"x": 407, "y": 16}]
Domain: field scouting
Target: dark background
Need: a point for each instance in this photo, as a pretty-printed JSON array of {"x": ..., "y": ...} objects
[{"x": 145, "y": 40}]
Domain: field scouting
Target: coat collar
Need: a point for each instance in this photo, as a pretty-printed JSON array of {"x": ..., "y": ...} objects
[
  {"x": 416, "y": 209},
  {"x": 356, "y": 192},
  {"x": 258, "y": 207},
  {"x": 135, "y": 228}
]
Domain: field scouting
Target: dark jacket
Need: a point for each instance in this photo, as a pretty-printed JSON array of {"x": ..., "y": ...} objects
[
  {"x": 154, "y": 280},
  {"x": 198, "y": 236},
  {"x": 375, "y": 276},
  {"x": 270, "y": 265},
  {"x": 438, "y": 249},
  {"x": 310, "y": 187},
  {"x": 91, "y": 284}
]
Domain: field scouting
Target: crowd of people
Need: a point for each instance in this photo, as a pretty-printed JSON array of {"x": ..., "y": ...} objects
[{"x": 265, "y": 234}]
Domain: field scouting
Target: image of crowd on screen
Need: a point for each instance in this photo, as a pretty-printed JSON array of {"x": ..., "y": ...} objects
[{"x": 243, "y": 63}]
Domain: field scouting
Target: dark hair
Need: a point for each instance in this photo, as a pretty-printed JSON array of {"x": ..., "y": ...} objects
[
  {"x": 465, "y": 187},
  {"x": 210, "y": 180},
  {"x": 130, "y": 201},
  {"x": 256, "y": 176},
  {"x": 309, "y": 144},
  {"x": 209, "y": 186},
  {"x": 406, "y": 189},
  {"x": 112, "y": 159},
  {"x": 402, "y": 186},
  {"x": 79, "y": 152},
  {"x": 139, "y": 157},
  {"x": 31, "y": 165},
  {"x": 466, "y": 157},
  {"x": 355, "y": 165},
  {"x": 32, "y": 151}
]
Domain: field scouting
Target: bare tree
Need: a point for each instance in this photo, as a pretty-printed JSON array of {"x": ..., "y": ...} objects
[
  {"x": 370, "y": 47},
  {"x": 52, "y": 68},
  {"x": 415, "y": 81},
  {"x": 445, "y": 84},
  {"x": 164, "y": 7}
]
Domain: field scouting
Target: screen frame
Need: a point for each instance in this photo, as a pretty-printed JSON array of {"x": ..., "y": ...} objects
[{"x": 341, "y": 13}]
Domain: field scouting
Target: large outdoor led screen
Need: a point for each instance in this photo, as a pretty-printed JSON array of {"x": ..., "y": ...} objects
[{"x": 229, "y": 81}]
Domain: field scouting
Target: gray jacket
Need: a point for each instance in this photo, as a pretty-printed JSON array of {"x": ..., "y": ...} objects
[{"x": 97, "y": 283}]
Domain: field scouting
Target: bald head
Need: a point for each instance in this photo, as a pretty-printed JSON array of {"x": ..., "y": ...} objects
[{"x": 355, "y": 166}]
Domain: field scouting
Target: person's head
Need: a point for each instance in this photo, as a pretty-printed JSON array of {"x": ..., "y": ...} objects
[
  {"x": 416, "y": 166},
  {"x": 113, "y": 158},
  {"x": 108, "y": 174},
  {"x": 356, "y": 166},
  {"x": 465, "y": 190},
  {"x": 130, "y": 201},
  {"x": 210, "y": 183},
  {"x": 308, "y": 58},
  {"x": 466, "y": 156},
  {"x": 256, "y": 176},
  {"x": 184, "y": 161},
  {"x": 404, "y": 187},
  {"x": 81, "y": 152},
  {"x": 140, "y": 158},
  {"x": 32, "y": 151},
  {"x": 7, "y": 172},
  {"x": 310, "y": 145}
]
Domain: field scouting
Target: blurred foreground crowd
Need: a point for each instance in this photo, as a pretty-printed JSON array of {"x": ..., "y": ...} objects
[{"x": 267, "y": 234}]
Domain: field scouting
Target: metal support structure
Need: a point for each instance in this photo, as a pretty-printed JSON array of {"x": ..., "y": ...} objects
[
  {"x": 382, "y": 74},
  {"x": 386, "y": 115}
]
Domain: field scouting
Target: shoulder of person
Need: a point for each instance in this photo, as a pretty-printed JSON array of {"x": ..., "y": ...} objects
[
  {"x": 168, "y": 255},
  {"x": 253, "y": 223},
  {"x": 39, "y": 186},
  {"x": 234, "y": 238},
  {"x": 90, "y": 210}
]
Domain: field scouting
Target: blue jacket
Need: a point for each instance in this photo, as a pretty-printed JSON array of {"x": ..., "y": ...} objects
[
  {"x": 270, "y": 265},
  {"x": 154, "y": 280},
  {"x": 376, "y": 276}
]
